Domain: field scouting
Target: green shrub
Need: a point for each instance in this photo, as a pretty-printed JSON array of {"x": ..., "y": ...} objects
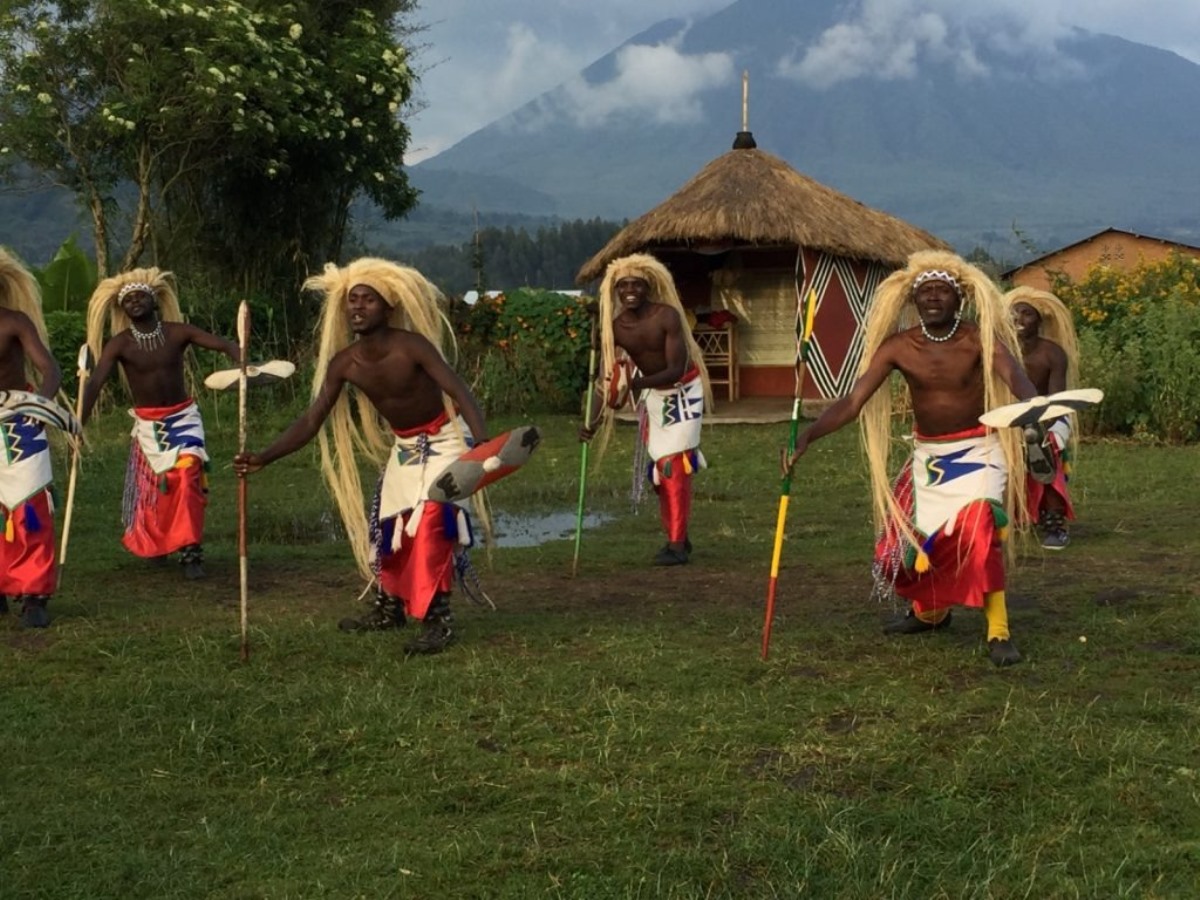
[
  {"x": 273, "y": 332},
  {"x": 1138, "y": 337},
  {"x": 526, "y": 351},
  {"x": 1149, "y": 369},
  {"x": 66, "y": 331},
  {"x": 1108, "y": 297}
]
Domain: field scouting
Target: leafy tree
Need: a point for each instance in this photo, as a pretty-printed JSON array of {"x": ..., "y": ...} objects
[
  {"x": 980, "y": 257},
  {"x": 243, "y": 128}
]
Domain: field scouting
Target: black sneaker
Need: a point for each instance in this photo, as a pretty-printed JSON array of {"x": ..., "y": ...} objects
[
  {"x": 435, "y": 637},
  {"x": 3, "y": 604},
  {"x": 385, "y": 614},
  {"x": 1003, "y": 652},
  {"x": 668, "y": 557},
  {"x": 1056, "y": 539},
  {"x": 191, "y": 558},
  {"x": 910, "y": 624},
  {"x": 33, "y": 611}
]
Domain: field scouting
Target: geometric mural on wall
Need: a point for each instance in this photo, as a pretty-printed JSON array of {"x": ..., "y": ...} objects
[{"x": 844, "y": 289}]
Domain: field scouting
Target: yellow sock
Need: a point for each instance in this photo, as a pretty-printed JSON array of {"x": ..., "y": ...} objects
[
  {"x": 996, "y": 612},
  {"x": 932, "y": 616}
]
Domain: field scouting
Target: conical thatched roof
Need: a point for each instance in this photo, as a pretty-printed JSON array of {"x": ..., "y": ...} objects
[{"x": 751, "y": 197}]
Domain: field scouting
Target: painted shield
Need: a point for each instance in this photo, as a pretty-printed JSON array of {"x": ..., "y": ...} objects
[
  {"x": 35, "y": 406},
  {"x": 616, "y": 393},
  {"x": 484, "y": 464}
]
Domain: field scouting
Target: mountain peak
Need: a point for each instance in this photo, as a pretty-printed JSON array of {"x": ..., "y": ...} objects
[{"x": 962, "y": 123}]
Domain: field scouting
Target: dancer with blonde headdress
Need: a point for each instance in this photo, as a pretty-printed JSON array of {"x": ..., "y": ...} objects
[
  {"x": 1050, "y": 354},
  {"x": 647, "y": 349},
  {"x": 27, "y": 570},
  {"x": 943, "y": 325},
  {"x": 166, "y": 489},
  {"x": 382, "y": 331}
]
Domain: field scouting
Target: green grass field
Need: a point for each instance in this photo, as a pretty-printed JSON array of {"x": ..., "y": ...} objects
[{"x": 614, "y": 734}]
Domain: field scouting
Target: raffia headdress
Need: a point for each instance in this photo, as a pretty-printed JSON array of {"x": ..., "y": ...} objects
[
  {"x": 892, "y": 310},
  {"x": 417, "y": 305},
  {"x": 662, "y": 290},
  {"x": 104, "y": 307},
  {"x": 1058, "y": 326},
  {"x": 19, "y": 292}
]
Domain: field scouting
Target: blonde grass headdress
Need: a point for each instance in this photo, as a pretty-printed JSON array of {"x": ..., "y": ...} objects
[
  {"x": 662, "y": 290},
  {"x": 417, "y": 306},
  {"x": 1057, "y": 325},
  {"x": 892, "y": 310},
  {"x": 19, "y": 292},
  {"x": 104, "y": 307}
]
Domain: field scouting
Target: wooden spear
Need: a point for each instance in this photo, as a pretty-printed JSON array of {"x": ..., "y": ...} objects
[
  {"x": 243, "y": 333},
  {"x": 83, "y": 367}
]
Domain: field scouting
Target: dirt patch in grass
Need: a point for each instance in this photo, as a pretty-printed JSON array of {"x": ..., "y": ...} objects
[
  {"x": 13, "y": 636},
  {"x": 1119, "y": 597}
]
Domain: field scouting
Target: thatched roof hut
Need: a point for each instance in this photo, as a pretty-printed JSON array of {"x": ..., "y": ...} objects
[
  {"x": 749, "y": 237},
  {"x": 748, "y": 196}
]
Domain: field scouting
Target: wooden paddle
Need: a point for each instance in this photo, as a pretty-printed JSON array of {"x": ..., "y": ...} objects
[
  {"x": 263, "y": 373},
  {"x": 1041, "y": 409}
]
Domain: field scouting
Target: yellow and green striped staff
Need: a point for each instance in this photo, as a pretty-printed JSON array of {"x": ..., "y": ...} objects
[{"x": 805, "y": 314}]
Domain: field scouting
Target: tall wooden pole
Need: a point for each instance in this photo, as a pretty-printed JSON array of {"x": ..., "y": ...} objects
[
  {"x": 83, "y": 367},
  {"x": 243, "y": 331}
]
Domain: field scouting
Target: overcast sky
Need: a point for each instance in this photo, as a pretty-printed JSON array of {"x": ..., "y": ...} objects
[{"x": 485, "y": 58}]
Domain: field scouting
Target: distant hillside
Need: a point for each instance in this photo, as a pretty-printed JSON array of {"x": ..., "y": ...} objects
[
  {"x": 1058, "y": 143},
  {"x": 34, "y": 223}
]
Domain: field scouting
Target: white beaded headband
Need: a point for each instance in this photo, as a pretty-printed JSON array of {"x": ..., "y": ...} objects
[
  {"x": 134, "y": 287},
  {"x": 937, "y": 275}
]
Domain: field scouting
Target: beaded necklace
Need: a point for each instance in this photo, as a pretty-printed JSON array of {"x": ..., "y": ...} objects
[
  {"x": 151, "y": 340},
  {"x": 945, "y": 337}
]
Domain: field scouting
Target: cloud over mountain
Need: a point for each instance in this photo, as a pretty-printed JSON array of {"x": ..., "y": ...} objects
[
  {"x": 890, "y": 39},
  {"x": 658, "y": 81}
]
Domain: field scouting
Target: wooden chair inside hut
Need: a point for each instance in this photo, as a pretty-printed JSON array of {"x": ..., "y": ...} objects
[{"x": 716, "y": 335}]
